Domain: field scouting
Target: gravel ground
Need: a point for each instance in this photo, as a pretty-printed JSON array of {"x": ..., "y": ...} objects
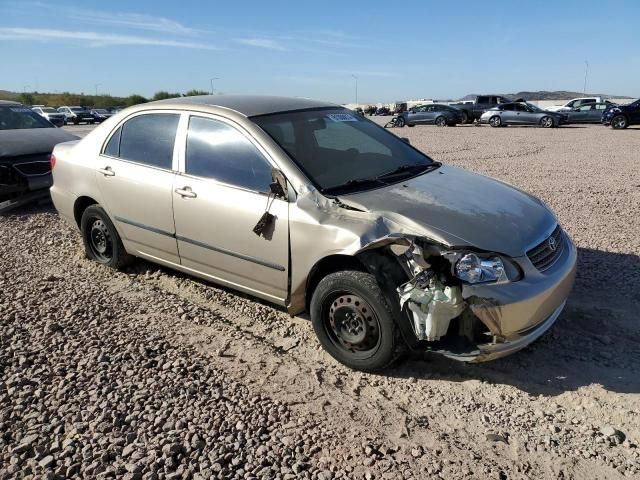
[{"x": 151, "y": 374}]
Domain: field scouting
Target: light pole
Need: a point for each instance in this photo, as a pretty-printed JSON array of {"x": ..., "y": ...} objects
[
  {"x": 586, "y": 72},
  {"x": 97, "y": 85},
  {"x": 211, "y": 80},
  {"x": 356, "y": 79},
  {"x": 24, "y": 88}
]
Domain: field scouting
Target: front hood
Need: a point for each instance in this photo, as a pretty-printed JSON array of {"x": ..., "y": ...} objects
[
  {"x": 463, "y": 209},
  {"x": 29, "y": 141}
]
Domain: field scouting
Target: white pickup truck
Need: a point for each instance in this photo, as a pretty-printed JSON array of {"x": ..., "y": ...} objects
[{"x": 574, "y": 103}]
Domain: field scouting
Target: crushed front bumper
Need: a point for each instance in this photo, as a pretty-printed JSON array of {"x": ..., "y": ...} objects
[{"x": 517, "y": 313}]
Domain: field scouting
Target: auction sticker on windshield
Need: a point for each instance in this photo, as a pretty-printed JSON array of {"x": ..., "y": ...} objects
[{"x": 342, "y": 117}]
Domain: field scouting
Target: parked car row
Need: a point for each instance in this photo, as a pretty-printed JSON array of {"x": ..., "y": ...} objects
[
  {"x": 498, "y": 111},
  {"x": 72, "y": 114}
]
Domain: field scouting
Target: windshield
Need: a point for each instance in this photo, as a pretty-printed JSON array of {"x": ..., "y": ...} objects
[
  {"x": 338, "y": 150},
  {"x": 18, "y": 118}
]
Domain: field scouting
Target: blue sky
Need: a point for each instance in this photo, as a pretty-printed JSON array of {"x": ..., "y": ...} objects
[{"x": 397, "y": 50}]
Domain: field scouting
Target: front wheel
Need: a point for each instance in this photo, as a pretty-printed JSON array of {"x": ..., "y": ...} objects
[
  {"x": 101, "y": 240},
  {"x": 546, "y": 122},
  {"x": 619, "y": 122},
  {"x": 400, "y": 122},
  {"x": 495, "y": 121},
  {"x": 465, "y": 117},
  {"x": 353, "y": 321},
  {"x": 441, "y": 122}
]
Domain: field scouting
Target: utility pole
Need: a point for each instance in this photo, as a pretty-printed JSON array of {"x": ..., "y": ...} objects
[
  {"x": 356, "y": 79},
  {"x": 211, "y": 80},
  {"x": 586, "y": 72},
  {"x": 97, "y": 85},
  {"x": 24, "y": 88}
]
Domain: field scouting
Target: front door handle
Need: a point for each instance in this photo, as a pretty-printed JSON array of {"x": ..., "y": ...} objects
[
  {"x": 107, "y": 171},
  {"x": 186, "y": 192}
]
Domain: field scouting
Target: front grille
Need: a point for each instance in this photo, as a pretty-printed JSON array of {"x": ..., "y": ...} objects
[
  {"x": 29, "y": 169},
  {"x": 545, "y": 254}
]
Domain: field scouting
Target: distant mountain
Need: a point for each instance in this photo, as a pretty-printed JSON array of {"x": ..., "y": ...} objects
[{"x": 545, "y": 95}]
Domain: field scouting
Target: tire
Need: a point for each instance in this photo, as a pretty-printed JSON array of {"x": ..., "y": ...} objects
[
  {"x": 400, "y": 122},
  {"x": 495, "y": 121},
  {"x": 441, "y": 122},
  {"x": 547, "y": 122},
  {"x": 101, "y": 240},
  {"x": 353, "y": 321},
  {"x": 465, "y": 117},
  {"x": 76, "y": 121},
  {"x": 619, "y": 122}
]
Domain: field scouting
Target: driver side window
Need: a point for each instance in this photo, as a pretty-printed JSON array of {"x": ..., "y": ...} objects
[{"x": 218, "y": 151}]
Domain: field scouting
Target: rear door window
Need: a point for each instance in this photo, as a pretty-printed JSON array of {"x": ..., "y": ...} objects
[
  {"x": 483, "y": 100},
  {"x": 149, "y": 139},
  {"x": 219, "y": 151}
]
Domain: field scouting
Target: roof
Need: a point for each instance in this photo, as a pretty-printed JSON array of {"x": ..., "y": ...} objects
[
  {"x": 6, "y": 103},
  {"x": 248, "y": 105}
]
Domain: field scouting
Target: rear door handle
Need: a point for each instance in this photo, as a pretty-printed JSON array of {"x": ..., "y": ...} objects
[
  {"x": 107, "y": 171},
  {"x": 186, "y": 192}
]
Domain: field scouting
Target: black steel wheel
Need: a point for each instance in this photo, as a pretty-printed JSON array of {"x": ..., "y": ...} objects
[
  {"x": 619, "y": 122},
  {"x": 353, "y": 321},
  {"x": 547, "y": 122},
  {"x": 495, "y": 121},
  {"x": 101, "y": 240}
]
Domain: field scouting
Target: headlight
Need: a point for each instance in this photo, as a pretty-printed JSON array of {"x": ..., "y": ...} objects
[{"x": 473, "y": 269}]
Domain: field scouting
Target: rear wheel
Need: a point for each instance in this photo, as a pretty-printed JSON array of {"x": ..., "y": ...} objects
[
  {"x": 353, "y": 321},
  {"x": 441, "y": 122},
  {"x": 101, "y": 240},
  {"x": 547, "y": 122},
  {"x": 495, "y": 121},
  {"x": 619, "y": 122},
  {"x": 465, "y": 117}
]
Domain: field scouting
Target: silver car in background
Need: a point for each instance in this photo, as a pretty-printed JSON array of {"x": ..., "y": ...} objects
[
  {"x": 522, "y": 113},
  {"x": 51, "y": 114},
  {"x": 311, "y": 207}
]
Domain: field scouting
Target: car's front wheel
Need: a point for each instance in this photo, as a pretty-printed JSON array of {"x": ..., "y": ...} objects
[
  {"x": 495, "y": 121},
  {"x": 353, "y": 321},
  {"x": 547, "y": 122},
  {"x": 465, "y": 117},
  {"x": 400, "y": 121},
  {"x": 101, "y": 240},
  {"x": 619, "y": 122}
]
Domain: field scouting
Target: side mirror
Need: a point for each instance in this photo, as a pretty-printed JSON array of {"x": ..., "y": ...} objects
[
  {"x": 412, "y": 111},
  {"x": 405, "y": 140},
  {"x": 279, "y": 184}
]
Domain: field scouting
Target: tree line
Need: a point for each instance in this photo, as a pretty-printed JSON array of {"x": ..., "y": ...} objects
[{"x": 98, "y": 101}]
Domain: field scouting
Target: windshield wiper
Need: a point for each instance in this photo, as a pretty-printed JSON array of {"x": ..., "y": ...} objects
[
  {"x": 411, "y": 168},
  {"x": 380, "y": 178}
]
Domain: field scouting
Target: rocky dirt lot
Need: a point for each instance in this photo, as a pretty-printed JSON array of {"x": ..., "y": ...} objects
[{"x": 149, "y": 374}]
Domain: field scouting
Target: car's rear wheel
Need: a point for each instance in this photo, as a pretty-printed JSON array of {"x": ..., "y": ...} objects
[
  {"x": 353, "y": 321},
  {"x": 619, "y": 122},
  {"x": 547, "y": 122},
  {"x": 441, "y": 122},
  {"x": 101, "y": 240},
  {"x": 495, "y": 121},
  {"x": 400, "y": 121}
]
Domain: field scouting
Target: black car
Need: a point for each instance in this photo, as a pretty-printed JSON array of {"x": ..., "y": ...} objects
[
  {"x": 589, "y": 113},
  {"x": 473, "y": 110},
  {"x": 26, "y": 142},
  {"x": 100, "y": 114},
  {"x": 621, "y": 116},
  {"x": 434, "y": 114},
  {"x": 383, "y": 111}
]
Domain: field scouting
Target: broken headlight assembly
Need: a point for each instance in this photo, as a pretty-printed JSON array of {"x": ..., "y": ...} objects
[{"x": 476, "y": 268}]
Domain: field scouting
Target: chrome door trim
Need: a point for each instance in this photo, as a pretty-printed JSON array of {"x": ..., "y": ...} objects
[{"x": 145, "y": 227}]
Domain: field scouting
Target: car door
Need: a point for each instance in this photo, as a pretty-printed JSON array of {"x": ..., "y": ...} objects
[
  {"x": 135, "y": 176},
  {"x": 581, "y": 114},
  {"x": 221, "y": 193},
  {"x": 417, "y": 115},
  {"x": 634, "y": 113},
  {"x": 595, "y": 114}
]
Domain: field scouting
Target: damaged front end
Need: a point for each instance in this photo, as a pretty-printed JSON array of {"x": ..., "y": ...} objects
[{"x": 472, "y": 306}]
